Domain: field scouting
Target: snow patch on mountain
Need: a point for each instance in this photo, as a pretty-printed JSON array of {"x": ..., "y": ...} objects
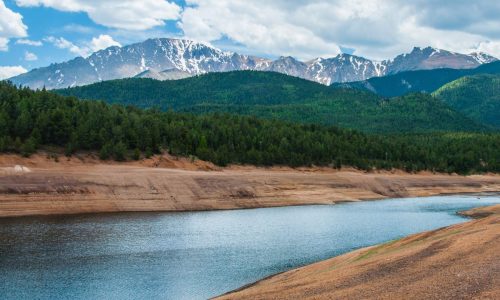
[{"x": 165, "y": 58}]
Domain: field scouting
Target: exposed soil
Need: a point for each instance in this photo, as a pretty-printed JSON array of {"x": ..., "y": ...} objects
[
  {"x": 456, "y": 262},
  {"x": 40, "y": 185}
]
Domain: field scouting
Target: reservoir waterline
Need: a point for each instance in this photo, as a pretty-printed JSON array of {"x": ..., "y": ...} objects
[{"x": 196, "y": 255}]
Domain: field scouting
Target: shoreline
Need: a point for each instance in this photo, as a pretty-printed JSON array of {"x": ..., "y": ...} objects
[
  {"x": 463, "y": 214},
  {"x": 41, "y": 186},
  {"x": 483, "y": 225},
  {"x": 460, "y": 260}
]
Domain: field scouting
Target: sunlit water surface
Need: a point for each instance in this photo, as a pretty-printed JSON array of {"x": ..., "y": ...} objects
[{"x": 197, "y": 255}]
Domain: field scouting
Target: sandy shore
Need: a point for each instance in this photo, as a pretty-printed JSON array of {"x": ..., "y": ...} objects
[
  {"x": 40, "y": 185},
  {"x": 456, "y": 262}
]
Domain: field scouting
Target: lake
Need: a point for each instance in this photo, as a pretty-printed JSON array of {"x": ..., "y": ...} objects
[{"x": 196, "y": 255}]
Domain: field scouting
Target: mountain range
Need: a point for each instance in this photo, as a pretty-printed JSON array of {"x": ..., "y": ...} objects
[
  {"x": 165, "y": 58},
  {"x": 273, "y": 95},
  {"x": 420, "y": 81}
]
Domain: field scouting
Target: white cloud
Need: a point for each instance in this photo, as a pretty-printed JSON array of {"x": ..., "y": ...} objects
[
  {"x": 29, "y": 56},
  {"x": 97, "y": 43},
  {"x": 29, "y": 42},
  {"x": 475, "y": 17},
  {"x": 63, "y": 43},
  {"x": 10, "y": 71},
  {"x": 488, "y": 47},
  {"x": 11, "y": 26},
  {"x": 103, "y": 41},
  {"x": 263, "y": 26},
  {"x": 377, "y": 29},
  {"x": 4, "y": 44},
  {"x": 77, "y": 28},
  {"x": 122, "y": 14}
]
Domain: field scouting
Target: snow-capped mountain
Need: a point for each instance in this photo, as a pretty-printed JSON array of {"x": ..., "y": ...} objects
[
  {"x": 176, "y": 58},
  {"x": 156, "y": 55},
  {"x": 482, "y": 58},
  {"x": 431, "y": 58},
  {"x": 342, "y": 68}
]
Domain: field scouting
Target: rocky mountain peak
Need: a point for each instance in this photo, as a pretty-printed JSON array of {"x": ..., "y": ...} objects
[{"x": 154, "y": 58}]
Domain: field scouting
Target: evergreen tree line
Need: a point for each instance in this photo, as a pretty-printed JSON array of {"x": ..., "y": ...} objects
[
  {"x": 33, "y": 119},
  {"x": 278, "y": 96},
  {"x": 478, "y": 97}
]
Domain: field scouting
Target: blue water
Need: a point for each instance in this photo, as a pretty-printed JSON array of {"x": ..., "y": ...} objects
[{"x": 198, "y": 254}]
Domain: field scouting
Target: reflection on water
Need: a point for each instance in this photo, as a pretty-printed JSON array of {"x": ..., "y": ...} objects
[{"x": 200, "y": 254}]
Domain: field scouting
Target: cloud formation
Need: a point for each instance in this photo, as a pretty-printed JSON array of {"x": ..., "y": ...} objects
[
  {"x": 63, "y": 43},
  {"x": 10, "y": 71},
  {"x": 103, "y": 41},
  {"x": 11, "y": 26},
  {"x": 477, "y": 17},
  {"x": 263, "y": 26},
  {"x": 121, "y": 14},
  {"x": 377, "y": 29},
  {"x": 374, "y": 28},
  {"x": 29, "y": 56},
  {"x": 29, "y": 42}
]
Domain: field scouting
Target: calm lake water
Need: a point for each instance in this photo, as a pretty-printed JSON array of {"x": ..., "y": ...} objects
[{"x": 200, "y": 254}]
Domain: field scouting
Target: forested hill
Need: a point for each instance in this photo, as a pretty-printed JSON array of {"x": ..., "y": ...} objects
[
  {"x": 274, "y": 95},
  {"x": 426, "y": 81},
  {"x": 478, "y": 97},
  {"x": 33, "y": 119}
]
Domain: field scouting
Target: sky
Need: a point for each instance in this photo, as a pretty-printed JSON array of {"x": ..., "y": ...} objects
[{"x": 36, "y": 33}]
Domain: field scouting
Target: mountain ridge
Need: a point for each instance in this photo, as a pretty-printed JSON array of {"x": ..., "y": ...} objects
[
  {"x": 274, "y": 95},
  {"x": 196, "y": 58},
  {"x": 426, "y": 81}
]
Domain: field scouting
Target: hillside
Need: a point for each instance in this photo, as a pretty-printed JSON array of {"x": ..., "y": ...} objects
[
  {"x": 477, "y": 97},
  {"x": 274, "y": 95},
  {"x": 426, "y": 81},
  {"x": 83, "y": 184},
  {"x": 33, "y": 119},
  {"x": 410, "y": 113}
]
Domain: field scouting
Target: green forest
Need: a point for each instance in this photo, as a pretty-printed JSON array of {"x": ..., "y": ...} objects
[
  {"x": 478, "y": 97},
  {"x": 426, "y": 81},
  {"x": 30, "y": 120},
  {"x": 278, "y": 96}
]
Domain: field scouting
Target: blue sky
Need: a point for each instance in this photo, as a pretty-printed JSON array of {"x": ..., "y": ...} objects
[
  {"x": 76, "y": 27},
  {"x": 43, "y": 22},
  {"x": 35, "y": 33}
]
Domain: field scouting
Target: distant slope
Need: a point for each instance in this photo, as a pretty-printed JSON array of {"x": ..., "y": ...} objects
[
  {"x": 477, "y": 97},
  {"x": 361, "y": 111},
  {"x": 274, "y": 95},
  {"x": 426, "y": 81},
  {"x": 237, "y": 87},
  {"x": 33, "y": 119}
]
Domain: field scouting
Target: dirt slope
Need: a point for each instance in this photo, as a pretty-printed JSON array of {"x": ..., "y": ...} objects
[
  {"x": 40, "y": 185},
  {"x": 457, "y": 262}
]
